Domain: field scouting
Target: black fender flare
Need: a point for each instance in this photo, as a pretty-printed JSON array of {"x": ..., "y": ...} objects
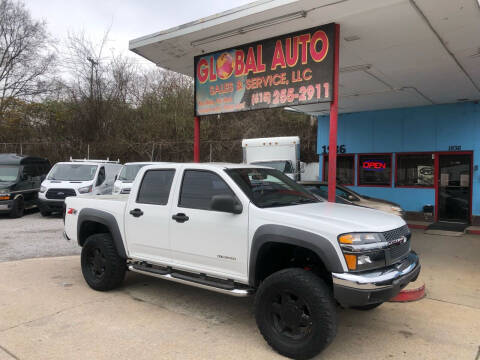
[
  {"x": 288, "y": 235},
  {"x": 104, "y": 218}
]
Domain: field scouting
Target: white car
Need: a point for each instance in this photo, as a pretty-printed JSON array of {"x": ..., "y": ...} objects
[
  {"x": 74, "y": 178},
  {"x": 124, "y": 180},
  {"x": 244, "y": 230}
]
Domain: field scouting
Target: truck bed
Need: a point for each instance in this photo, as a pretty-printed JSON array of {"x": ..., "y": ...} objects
[{"x": 112, "y": 204}]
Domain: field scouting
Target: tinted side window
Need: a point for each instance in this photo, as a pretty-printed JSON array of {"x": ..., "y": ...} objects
[
  {"x": 198, "y": 188},
  {"x": 29, "y": 171},
  {"x": 155, "y": 187}
]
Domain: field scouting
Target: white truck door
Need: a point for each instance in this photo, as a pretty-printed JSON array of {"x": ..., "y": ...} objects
[
  {"x": 147, "y": 216},
  {"x": 211, "y": 241}
]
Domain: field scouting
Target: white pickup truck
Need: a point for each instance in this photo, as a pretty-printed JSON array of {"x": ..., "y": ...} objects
[{"x": 244, "y": 230}]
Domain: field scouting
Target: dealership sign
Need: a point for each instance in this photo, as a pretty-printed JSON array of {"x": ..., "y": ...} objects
[{"x": 292, "y": 69}]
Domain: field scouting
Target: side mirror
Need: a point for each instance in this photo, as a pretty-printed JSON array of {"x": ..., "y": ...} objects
[
  {"x": 226, "y": 203},
  {"x": 302, "y": 167}
]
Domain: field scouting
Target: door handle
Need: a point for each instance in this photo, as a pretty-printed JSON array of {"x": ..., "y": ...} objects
[
  {"x": 136, "y": 212},
  {"x": 180, "y": 217}
]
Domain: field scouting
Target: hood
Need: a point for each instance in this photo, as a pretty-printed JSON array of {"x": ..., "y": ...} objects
[
  {"x": 7, "y": 184},
  {"x": 332, "y": 218},
  {"x": 65, "y": 184}
]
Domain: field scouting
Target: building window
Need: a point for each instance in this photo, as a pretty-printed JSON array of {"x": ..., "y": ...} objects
[
  {"x": 375, "y": 170},
  {"x": 414, "y": 170},
  {"x": 345, "y": 169}
]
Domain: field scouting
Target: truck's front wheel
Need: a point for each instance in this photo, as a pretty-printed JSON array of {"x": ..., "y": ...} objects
[
  {"x": 102, "y": 267},
  {"x": 296, "y": 313}
]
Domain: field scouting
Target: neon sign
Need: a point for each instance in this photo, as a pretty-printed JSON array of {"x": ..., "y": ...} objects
[{"x": 374, "y": 165}]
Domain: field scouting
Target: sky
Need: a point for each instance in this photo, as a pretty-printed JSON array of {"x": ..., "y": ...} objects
[{"x": 127, "y": 19}]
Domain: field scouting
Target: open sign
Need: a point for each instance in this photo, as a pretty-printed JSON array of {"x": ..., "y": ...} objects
[{"x": 374, "y": 165}]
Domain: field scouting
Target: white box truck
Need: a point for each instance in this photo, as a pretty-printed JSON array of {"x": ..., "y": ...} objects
[{"x": 281, "y": 153}]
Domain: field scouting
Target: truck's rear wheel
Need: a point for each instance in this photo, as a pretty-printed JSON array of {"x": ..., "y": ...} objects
[
  {"x": 296, "y": 313},
  {"x": 102, "y": 267}
]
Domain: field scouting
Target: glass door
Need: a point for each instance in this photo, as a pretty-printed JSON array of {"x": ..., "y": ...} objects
[{"x": 454, "y": 193}]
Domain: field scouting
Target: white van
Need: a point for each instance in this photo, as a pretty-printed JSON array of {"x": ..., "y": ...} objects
[
  {"x": 124, "y": 181},
  {"x": 73, "y": 178}
]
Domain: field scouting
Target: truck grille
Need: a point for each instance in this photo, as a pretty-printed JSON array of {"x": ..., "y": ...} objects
[
  {"x": 398, "y": 251},
  {"x": 59, "y": 194},
  {"x": 396, "y": 233}
]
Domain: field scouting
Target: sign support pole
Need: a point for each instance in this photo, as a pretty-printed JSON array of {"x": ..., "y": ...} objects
[
  {"x": 196, "y": 139},
  {"x": 332, "y": 153}
]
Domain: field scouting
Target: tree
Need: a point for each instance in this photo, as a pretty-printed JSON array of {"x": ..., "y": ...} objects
[{"x": 26, "y": 55}]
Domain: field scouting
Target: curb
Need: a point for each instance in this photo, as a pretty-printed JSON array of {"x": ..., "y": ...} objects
[{"x": 408, "y": 295}]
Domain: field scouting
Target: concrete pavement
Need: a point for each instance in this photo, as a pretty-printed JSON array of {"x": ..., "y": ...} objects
[{"x": 48, "y": 312}]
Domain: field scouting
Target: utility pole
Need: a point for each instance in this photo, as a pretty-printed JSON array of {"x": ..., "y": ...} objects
[{"x": 92, "y": 64}]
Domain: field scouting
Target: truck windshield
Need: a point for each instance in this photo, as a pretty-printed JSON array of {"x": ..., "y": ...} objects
[
  {"x": 270, "y": 188},
  {"x": 129, "y": 172},
  {"x": 281, "y": 165},
  {"x": 72, "y": 172},
  {"x": 8, "y": 173}
]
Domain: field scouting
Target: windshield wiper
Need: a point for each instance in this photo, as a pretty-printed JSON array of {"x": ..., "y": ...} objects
[{"x": 305, "y": 201}]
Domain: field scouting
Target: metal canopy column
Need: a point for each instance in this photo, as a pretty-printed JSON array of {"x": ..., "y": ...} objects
[
  {"x": 332, "y": 153},
  {"x": 196, "y": 139}
]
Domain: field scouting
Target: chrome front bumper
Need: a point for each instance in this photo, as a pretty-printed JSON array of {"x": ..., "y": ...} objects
[{"x": 356, "y": 289}]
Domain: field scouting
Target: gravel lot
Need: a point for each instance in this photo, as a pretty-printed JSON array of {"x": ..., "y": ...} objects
[{"x": 33, "y": 236}]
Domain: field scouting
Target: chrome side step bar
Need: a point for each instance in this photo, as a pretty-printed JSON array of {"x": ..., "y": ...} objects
[{"x": 237, "y": 292}]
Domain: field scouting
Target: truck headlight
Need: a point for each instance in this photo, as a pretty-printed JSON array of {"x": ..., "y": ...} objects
[
  {"x": 85, "y": 189},
  {"x": 43, "y": 189},
  {"x": 363, "y": 251}
]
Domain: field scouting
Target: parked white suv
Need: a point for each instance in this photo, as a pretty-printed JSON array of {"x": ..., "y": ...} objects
[
  {"x": 244, "y": 230},
  {"x": 74, "y": 178}
]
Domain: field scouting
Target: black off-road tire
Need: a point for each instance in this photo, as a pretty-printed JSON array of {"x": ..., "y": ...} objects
[
  {"x": 103, "y": 269},
  {"x": 367, "y": 307},
  {"x": 297, "y": 297},
  {"x": 18, "y": 208}
]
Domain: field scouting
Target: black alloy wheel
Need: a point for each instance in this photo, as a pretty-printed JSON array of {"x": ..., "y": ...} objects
[
  {"x": 96, "y": 262},
  {"x": 291, "y": 315}
]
